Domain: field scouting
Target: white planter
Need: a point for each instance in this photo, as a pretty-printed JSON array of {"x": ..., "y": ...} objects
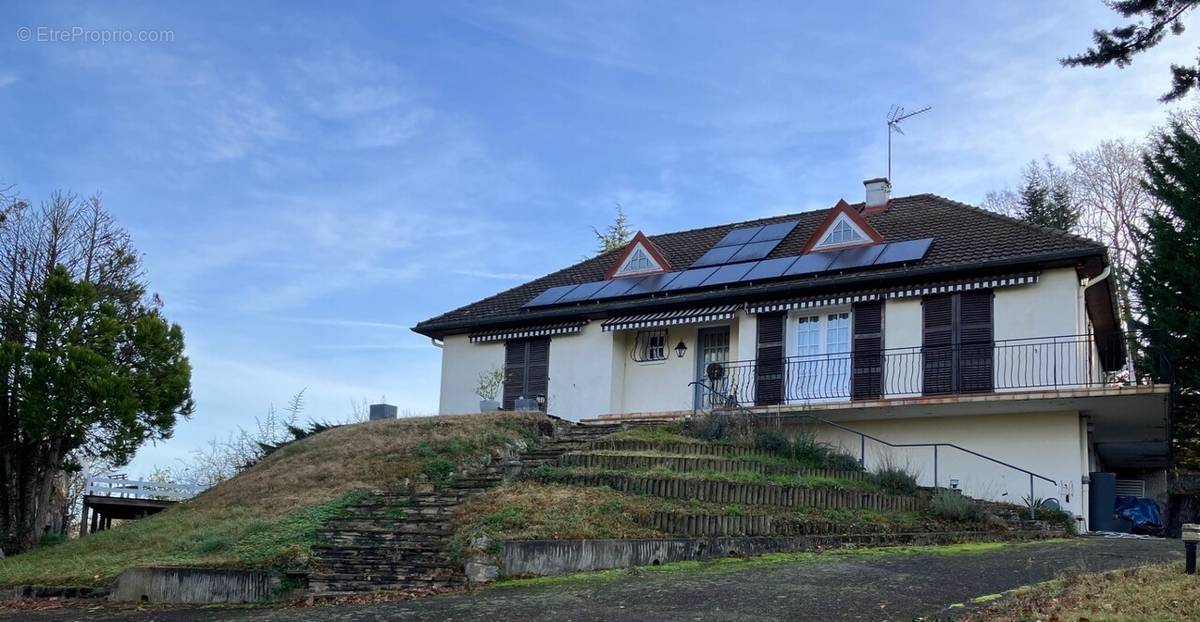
[{"x": 487, "y": 406}]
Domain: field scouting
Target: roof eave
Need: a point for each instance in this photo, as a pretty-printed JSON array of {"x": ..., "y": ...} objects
[{"x": 439, "y": 330}]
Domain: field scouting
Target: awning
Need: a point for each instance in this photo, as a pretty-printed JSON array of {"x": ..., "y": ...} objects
[
  {"x": 670, "y": 318},
  {"x": 940, "y": 287},
  {"x": 564, "y": 328}
]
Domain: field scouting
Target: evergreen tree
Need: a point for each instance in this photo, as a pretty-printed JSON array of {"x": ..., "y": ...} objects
[
  {"x": 1120, "y": 44},
  {"x": 89, "y": 368},
  {"x": 1045, "y": 198},
  {"x": 616, "y": 235},
  {"x": 1167, "y": 280}
]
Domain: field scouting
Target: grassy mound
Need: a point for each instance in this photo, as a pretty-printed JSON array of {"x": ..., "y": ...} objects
[{"x": 268, "y": 515}]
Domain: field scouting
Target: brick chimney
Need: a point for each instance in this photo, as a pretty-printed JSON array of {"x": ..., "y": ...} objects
[{"x": 879, "y": 191}]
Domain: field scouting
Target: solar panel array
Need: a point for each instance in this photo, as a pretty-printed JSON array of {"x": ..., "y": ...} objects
[
  {"x": 728, "y": 272},
  {"x": 746, "y": 244}
]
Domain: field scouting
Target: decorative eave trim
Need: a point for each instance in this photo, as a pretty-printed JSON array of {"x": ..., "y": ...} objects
[
  {"x": 564, "y": 328},
  {"x": 842, "y": 207},
  {"x": 638, "y": 238},
  {"x": 945, "y": 287},
  {"x": 670, "y": 318}
]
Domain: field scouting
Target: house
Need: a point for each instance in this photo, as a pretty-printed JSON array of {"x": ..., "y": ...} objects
[{"x": 983, "y": 352}]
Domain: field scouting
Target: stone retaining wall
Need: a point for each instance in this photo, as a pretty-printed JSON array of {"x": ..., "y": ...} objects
[
  {"x": 534, "y": 558},
  {"x": 167, "y": 584}
]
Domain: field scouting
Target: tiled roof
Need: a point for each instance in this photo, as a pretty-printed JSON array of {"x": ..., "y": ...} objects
[{"x": 964, "y": 237}]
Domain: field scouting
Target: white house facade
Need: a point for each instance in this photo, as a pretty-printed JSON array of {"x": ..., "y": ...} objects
[{"x": 983, "y": 353}]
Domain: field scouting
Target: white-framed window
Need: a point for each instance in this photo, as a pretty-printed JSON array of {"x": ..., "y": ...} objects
[
  {"x": 651, "y": 346},
  {"x": 819, "y": 368},
  {"x": 842, "y": 233},
  {"x": 638, "y": 262}
]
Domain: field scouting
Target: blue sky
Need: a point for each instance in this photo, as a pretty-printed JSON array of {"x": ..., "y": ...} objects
[{"x": 306, "y": 181}]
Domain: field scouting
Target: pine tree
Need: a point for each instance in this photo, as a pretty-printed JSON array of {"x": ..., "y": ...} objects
[
  {"x": 616, "y": 235},
  {"x": 1045, "y": 198},
  {"x": 1167, "y": 280}
]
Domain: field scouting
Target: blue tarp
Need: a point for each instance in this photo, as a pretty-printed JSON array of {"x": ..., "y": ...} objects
[{"x": 1143, "y": 513}]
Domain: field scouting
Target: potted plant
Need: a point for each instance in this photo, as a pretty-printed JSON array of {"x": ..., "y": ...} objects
[{"x": 488, "y": 388}]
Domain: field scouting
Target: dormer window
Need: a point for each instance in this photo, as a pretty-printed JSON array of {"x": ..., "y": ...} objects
[
  {"x": 638, "y": 263},
  {"x": 843, "y": 227},
  {"x": 639, "y": 256},
  {"x": 842, "y": 233}
]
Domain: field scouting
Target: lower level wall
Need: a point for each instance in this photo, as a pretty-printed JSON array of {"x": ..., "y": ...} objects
[{"x": 1046, "y": 443}]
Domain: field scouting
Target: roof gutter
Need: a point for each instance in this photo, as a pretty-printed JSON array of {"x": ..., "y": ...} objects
[{"x": 440, "y": 329}]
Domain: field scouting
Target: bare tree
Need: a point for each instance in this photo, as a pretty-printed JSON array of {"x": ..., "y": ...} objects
[{"x": 1115, "y": 203}]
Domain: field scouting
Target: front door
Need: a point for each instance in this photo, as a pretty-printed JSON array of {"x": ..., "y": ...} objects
[{"x": 713, "y": 344}]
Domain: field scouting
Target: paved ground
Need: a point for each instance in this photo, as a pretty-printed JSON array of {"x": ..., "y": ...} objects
[{"x": 891, "y": 587}]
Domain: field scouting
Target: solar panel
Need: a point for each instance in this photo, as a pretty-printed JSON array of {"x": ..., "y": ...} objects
[
  {"x": 729, "y": 274},
  {"x": 652, "y": 283},
  {"x": 857, "y": 257},
  {"x": 754, "y": 250},
  {"x": 689, "y": 278},
  {"x": 777, "y": 231},
  {"x": 908, "y": 250},
  {"x": 583, "y": 292},
  {"x": 810, "y": 263},
  {"x": 716, "y": 256},
  {"x": 769, "y": 268},
  {"x": 550, "y": 296},
  {"x": 738, "y": 236},
  {"x": 616, "y": 287}
]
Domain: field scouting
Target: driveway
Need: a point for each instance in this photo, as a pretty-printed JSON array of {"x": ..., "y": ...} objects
[{"x": 833, "y": 588}]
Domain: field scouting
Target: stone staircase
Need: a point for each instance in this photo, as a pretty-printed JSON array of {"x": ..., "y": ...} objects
[{"x": 400, "y": 539}]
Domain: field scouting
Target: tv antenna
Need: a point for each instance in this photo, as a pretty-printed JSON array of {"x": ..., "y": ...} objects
[{"x": 895, "y": 115}]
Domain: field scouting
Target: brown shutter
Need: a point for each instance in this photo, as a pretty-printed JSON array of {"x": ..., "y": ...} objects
[
  {"x": 937, "y": 351},
  {"x": 768, "y": 366},
  {"x": 514, "y": 371},
  {"x": 867, "y": 379},
  {"x": 526, "y": 370},
  {"x": 537, "y": 378},
  {"x": 975, "y": 341}
]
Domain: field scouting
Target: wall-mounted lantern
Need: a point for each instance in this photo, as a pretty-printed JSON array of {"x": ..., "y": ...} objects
[{"x": 681, "y": 349}]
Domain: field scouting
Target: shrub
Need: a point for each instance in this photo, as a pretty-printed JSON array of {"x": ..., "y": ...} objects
[
  {"x": 841, "y": 461},
  {"x": 438, "y": 471},
  {"x": 894, "y": 478},
  {"x": 710, "y": 427},
  {"x": 772, "y": 441},
  {"x": 952, "y": 505}
]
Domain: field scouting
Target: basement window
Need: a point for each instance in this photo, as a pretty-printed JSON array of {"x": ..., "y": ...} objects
[{"x": 651, "y": 346}]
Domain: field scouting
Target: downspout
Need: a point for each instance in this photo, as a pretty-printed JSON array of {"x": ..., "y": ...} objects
[
  {"x": 437, "y": 343},
  {"x": 1084, "y": 424}
]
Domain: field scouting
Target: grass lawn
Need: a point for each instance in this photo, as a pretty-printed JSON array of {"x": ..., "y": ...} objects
[
  {"x": 1153, "y": 593},
  {"x": 268, "y": 515}
]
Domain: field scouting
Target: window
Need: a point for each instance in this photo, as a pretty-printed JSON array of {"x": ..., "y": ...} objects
[
  {"x": 821, "y": 367},
  {"x": 651, "y": 346},
  {"x": 638, "y": 262},
  {"x": 842, "y": 232}
]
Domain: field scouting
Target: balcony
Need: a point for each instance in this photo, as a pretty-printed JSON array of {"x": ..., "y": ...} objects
[{"x": 1005, "y": 366}]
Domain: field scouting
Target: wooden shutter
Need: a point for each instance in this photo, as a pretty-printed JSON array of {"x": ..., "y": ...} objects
[
  {"x": 937, "y": 352},
  {"x": 867, "y": 366},
  {"x": 526, "y": 370},
  {"x": 537, "y": 376},
  {"x": 768, "y": 366},
  {"x": 514, "y": 371},
  {"x": 975, "y": 341}
]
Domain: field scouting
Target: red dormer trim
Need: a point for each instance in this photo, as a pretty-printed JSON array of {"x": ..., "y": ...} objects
[
  {"x": 656, "y": 254},
  {"x": 842, "y": 207}
]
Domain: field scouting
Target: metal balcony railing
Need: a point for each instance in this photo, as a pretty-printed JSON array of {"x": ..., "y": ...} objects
[{"x": 1061, "y": 362}]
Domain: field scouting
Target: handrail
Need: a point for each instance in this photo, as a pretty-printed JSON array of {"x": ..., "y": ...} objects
[
  {"x": 136, "y": 489},
  {"x": 863, "y": 436}
]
